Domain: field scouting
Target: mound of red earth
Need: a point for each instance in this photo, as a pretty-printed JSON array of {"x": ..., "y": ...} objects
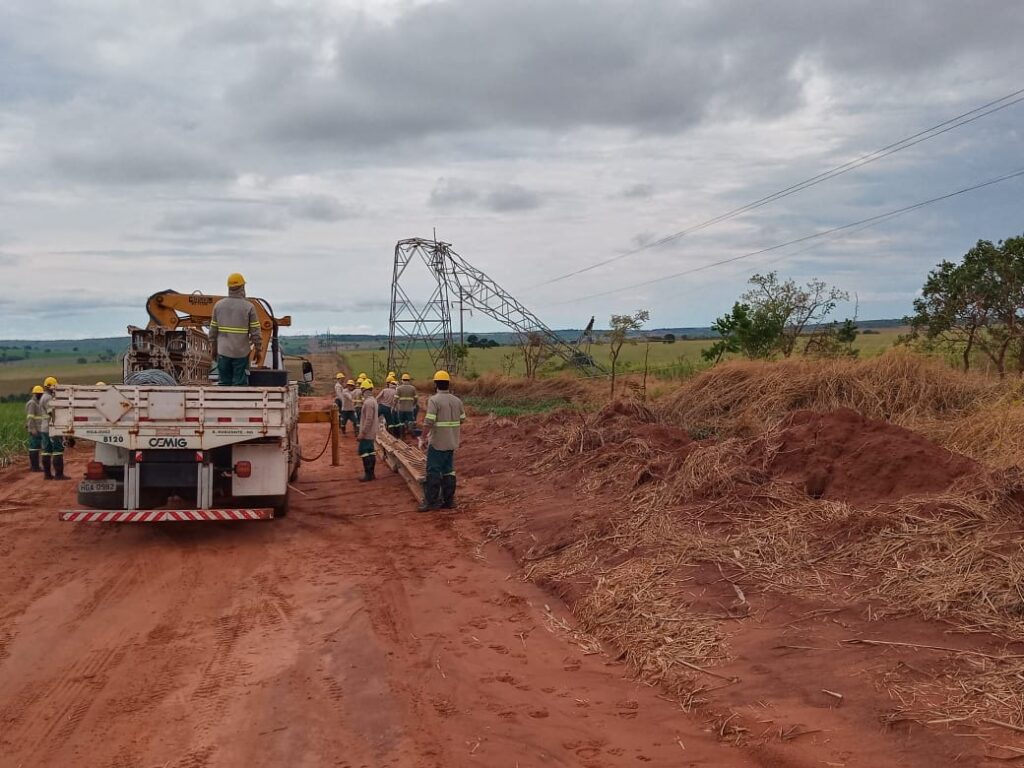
[{"x": 845, "y": 456}]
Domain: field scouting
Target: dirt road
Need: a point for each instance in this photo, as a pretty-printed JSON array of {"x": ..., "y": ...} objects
[{"x": 353, "y": 633}]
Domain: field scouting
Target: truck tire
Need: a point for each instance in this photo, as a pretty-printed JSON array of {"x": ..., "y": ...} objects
[{"x": 280, "y": 505}]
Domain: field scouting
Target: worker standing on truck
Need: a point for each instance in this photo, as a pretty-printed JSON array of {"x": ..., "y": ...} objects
[
  {"x": 233, "y": 328},
  {"x": 34, "y": 417},
  {"x": 52, "y": 447},
  {"x": 441, "y": 428},
  {"x": 387, "y": 400},
  {"x": 367, "y": 446},
  {"x": 406, "y": 394},
  {"x": 348, "y": 407}
]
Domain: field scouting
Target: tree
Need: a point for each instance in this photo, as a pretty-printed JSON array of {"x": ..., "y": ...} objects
[
  {"x": 535, "y": 352},
  {"x": 669, "y": 338},
  {"x": 977, "y": 304},
  {"x": 621, "y": 326},
  {"x": 796, "y": 308},
  {"x": 472, "y": 339},
  {"x": 752, "y": 332}
]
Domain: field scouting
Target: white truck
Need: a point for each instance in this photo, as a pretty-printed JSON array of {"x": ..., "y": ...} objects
[{"x": 180, "y": 453}]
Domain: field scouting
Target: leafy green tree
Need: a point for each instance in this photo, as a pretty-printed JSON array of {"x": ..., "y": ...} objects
[
  {"x": 799, "y": 308},
  {"x": 669, "y": 338},
  {"x": 753, "y": 332},
  {"x": 976, "y": 305}
]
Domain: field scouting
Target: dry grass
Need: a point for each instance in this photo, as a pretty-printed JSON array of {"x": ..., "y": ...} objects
[
  {"x": 955, "y": 556},
  {"x": 745, "y": 398}
]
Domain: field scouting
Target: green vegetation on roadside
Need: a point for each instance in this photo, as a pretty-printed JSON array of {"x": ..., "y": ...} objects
[{"x": 12, "y": 430}]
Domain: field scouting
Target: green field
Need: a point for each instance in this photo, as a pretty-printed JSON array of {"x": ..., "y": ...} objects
[
  {"x": 19, "y": 377},
  {"x": 681, "y": 358},
  {"x": 12, "y": 430}
]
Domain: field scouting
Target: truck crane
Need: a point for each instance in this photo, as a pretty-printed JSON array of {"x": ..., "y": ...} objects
[{"x": 188, "y": 451}]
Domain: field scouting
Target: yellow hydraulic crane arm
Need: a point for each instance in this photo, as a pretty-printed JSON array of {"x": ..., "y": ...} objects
[{"x": 170, "y": 309}]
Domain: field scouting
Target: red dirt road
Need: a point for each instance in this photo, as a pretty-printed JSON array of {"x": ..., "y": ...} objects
[{"x": 353, "y": 633}]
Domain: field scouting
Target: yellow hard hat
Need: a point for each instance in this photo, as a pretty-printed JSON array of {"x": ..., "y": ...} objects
[
  {"x": 390, "y": 379},
  {"x": 361, "y": 376},
  {"x": 367, "y": 384},
  {"x": 37, "y": 390},
  {"x": 235, "y": 280},
  {"x": 350, "y": 382},
  {"x": 442, "y": 376},
  {"x": 49, "y": 381},
  {"x": 339, "y": 375},
  {"x": 101, "y": 383},
  {"x": 406, "y": 377},
  {"x": 391, "y": 374}
]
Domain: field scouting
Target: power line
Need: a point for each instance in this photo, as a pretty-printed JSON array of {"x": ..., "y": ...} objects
[
  {"x": 814, "y": 236},
  {"x": 897, "y": 146}
]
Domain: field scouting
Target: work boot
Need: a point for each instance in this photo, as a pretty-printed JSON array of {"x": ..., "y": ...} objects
[
  {"x": 368, "y": 466},
  {"x": 448, "y": 492},
  {"x": 47, "y": 475},
  {"x": 431, "y": 493},
  {"x": 58, "y": 468},
  {"x": 33, "y": 461}
]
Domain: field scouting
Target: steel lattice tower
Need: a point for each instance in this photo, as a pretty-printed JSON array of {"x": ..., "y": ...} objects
[{"x": 430, "y": 326}]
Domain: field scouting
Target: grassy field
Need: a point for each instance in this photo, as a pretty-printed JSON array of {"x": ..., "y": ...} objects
[
  {"x": 680, "y": 358},
  {"x": 12, "y": 430},
  {"x": 20, "y": 376},
  {"x": 677, "y": 360}
]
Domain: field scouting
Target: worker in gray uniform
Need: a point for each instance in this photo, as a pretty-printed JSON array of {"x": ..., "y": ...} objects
[
  {"x": 348, "y": 407},
  {"x": 441, "y": 428},
  {"x": 233, "y": 328},
  {"x": 386, "y": 402},
  {"x": 52, "y": 446},
  {"x": 406, "y": 409},
  {"x": 34, "y": 417},
  {"x": 367, "y": 445}
]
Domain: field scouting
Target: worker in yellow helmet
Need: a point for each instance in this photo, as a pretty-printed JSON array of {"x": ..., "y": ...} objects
[
  {"x": 34, "y": 417},
  {"x": 441, "y": 429},
  {"x": 347, "y": 408},
  {"x": 52, "y": 454},
  {"x": 406, "y": 409},
  {"x": 233, "y": 328},
  {"x": 367, "y": 445},
  {"x": 386, "y": 402}
]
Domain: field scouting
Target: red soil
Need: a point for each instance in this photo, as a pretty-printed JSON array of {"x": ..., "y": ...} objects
[{"x": 844, "y": 456}]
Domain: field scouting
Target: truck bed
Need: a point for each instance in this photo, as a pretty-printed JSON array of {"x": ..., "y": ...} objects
[{"x": 192, "y": 417}]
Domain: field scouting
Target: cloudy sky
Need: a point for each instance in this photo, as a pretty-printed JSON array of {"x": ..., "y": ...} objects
[{"x": 146, "y": 146}]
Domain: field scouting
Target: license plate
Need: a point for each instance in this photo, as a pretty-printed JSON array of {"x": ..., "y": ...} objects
[{"x": 97, "y": 486}]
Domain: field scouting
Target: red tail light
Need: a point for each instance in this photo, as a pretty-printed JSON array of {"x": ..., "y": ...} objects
[
  {"x": 200, "y": 457},
  {"x": 94, "y": 471},
  {"x": 243, "y": 469},
  {"x": 138, "y": 457}
]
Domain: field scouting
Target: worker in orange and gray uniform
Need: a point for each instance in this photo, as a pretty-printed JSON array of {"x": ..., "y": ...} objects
[
  {"x": 441, "y": 428},
  {"x": 52, "y": 447},
  {"x": 348, "y": 407},
  {"x": 357, "y": 397},
  {"x": 406, "y": 412},
  {"x": 34, "y": 418},
  {"x": 367, "y": 445},
  {"x": 233, "y": 328}
]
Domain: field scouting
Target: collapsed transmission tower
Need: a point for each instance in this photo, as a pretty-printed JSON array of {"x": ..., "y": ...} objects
[{"x": 429, "y": 325}]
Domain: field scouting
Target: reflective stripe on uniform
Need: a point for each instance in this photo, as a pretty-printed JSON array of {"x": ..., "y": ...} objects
[
  {"x": 232, "y": 329},
  {"x": 447, "y": 423}
]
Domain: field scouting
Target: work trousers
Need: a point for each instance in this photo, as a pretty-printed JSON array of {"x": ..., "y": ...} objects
[
  {"x": 366, "y": 448},
  {"x": 52, "y": 446},
  {"x": 440, "y": 462},
  {"x": 232, "y": 371}
]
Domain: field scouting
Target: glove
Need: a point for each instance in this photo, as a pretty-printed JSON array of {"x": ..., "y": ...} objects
[{"x": 419, "y": 443}]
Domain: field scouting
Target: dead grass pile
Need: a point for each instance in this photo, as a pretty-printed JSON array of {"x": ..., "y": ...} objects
[{"x": 745, "y": 398}]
